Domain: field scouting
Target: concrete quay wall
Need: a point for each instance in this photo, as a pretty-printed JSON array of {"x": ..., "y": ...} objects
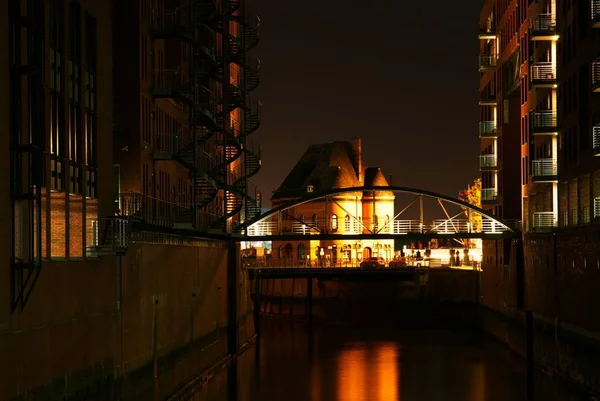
[{"x": 130, "y": 326}]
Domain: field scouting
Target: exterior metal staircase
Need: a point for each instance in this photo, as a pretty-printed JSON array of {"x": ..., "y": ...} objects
[
  {"x": 252, "y": 73},
  {"x": 252, "y": 116}
]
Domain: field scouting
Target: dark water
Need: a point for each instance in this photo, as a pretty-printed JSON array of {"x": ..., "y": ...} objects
[{"x": 351, "y": 364}]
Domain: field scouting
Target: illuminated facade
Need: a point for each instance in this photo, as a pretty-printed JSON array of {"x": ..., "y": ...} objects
[
  {"x": 540, "y": 79},
  {"x": 326, "y": 167},
  {"x": 58, "y": 128},
  {"x": 182, "y": 96}
]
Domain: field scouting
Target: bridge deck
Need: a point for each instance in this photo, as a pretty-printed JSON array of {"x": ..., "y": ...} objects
[{"x": 337, "y": 273}]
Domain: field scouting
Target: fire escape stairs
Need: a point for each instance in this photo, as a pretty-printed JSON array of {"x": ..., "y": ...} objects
[
  {"x": 252, "y": 75},
  {"x": 252, "y": 118}
]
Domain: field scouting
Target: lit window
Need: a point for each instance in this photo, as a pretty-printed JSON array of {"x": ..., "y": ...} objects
[
  {"x": 334, "y": 222},
  {"x": 347, "y": 227}
]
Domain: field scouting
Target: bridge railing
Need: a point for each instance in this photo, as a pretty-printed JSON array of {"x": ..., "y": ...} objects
[
  {"x": 440, "y": 226},
  {"x": 300, "y": 263}
]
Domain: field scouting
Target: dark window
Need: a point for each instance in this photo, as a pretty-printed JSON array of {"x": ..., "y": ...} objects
[{"x": 91, "y": 45}]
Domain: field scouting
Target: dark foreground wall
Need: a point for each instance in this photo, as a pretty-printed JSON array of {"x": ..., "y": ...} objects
[{"x": 138, "y": 325}]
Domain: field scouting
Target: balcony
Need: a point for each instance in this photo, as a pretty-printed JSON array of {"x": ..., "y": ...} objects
[
  {"x": 543, "y": 27},
  {"x": 487, "y": 62},
  {"x": 544, "y": 123},
  {"x": 595, "y": 12},
  {"x": 487, "y": 129},
  {"x": 488, "y": 33},
  {"x": 544, "y": 221},
  {"x": 487, "y": 99},
  {"x": 596, "y": 140},
  {"x": 544, "y": 170},
  {"x": 488, "y": 162},
  {"x": 543, "y": 75},
  {"x": 596, "y": 76},
  {"x": 489, "y": 196}
]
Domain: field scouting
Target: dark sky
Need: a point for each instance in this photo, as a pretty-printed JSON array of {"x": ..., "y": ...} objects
[{"x": 401, "y": 74}]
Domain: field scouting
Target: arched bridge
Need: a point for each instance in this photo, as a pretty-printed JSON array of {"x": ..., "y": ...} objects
[{"x": 378, "y": 213}]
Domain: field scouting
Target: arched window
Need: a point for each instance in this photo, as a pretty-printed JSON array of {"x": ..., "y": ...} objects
[
  {"x": 375, "y": 223},
  {"x": 388, "y": 225},
  {"x": 315, "y": 220},
  {"x": 334, "y": 222},
  {"x": 347, "y": 227},
  {"x": 280, "y": 252},
  {"x": 301, "y": 252}
]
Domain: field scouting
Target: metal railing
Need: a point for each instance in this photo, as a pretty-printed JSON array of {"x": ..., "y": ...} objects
[
  {"x": 111, "y": 235},
  {"x": 146, "y": 209},
  {"x": 488, "y": 161},
  {"x": 596, "y": 139},
  {"x": 399, "y": 227},
  {"x": 487, "y": 128},
  {"x": 487, "y": 98},
  {"x": 595, "y": 11},
  {"x": 489, "y": 194},
  {"x": 487, "y": 61},
  {"x": 544, "y": 119},
  {"x": 544, "y": 167},
  {"x": 543, "y": 71},
  {"x": 169, "y": 83},
  {"x": 544, "y": 219},
  {"x": 542, "y": 24},
  {"x": 596, "y": 75}
]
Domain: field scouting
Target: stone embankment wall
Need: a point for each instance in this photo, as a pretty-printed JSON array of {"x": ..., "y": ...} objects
[{"x": 154, "y": 317}]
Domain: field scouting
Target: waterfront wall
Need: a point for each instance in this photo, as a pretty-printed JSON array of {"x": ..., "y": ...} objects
[
  {"x": 288, "y": 296},
  {"x": 160, "y": 311},
  {"x": 561, "y": 286}
]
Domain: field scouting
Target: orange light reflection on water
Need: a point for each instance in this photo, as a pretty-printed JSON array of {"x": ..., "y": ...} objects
[{"x": 369, "y": 374}]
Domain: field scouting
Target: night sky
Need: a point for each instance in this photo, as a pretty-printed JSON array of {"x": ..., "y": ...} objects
[{"x": 401, "y": 74}]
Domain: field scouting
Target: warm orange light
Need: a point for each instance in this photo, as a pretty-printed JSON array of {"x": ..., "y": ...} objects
[
  {"x": 351, "y": 375},
  {"x": 387, "y": 372}
]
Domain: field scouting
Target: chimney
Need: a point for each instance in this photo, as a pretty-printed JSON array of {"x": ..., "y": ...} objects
[{"x": 357, "y": 147}]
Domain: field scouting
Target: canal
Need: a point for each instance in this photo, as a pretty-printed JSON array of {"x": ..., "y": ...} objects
[{"x": 291, "y": 363}]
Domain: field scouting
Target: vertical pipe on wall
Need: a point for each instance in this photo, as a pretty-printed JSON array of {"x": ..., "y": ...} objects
[{"x": 232, "y": 298}]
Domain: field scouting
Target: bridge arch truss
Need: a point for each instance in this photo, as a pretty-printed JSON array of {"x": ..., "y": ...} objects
[{"x": 416, "y": 214}]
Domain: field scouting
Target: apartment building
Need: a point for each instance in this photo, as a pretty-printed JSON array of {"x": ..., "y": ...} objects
[
  {"x": 542, "y": 57},
  {"x": 182, "y": 95},
  {"x": 579, "y": 113}
]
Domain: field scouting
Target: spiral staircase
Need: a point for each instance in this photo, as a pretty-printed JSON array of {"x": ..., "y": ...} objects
[{"x": 220, "y": 175}]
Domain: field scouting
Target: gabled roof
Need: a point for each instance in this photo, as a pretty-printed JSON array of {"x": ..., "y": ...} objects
[{"x": 325, "y": 167}]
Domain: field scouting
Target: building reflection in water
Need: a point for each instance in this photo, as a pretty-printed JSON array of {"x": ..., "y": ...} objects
[{"x": 368, "y": 372}]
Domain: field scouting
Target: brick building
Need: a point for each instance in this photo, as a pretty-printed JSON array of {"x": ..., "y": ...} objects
[
  {"x": 325, "y": 167},
  {"x": 539, "y": 145},
  {"x": 183, "y": 113}
]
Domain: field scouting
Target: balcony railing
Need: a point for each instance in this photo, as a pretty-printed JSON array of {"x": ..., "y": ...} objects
[
  {"x": 486, "y": 62},
  {"x": 596, "y": 140},
  {"x": 488, "y": 161},
  {"x": 544, "y": 122},
  {"x": 487, "y": 129},
  {"x": 489, "y": 195},
  {"x": 595, "y": 13},
  {"x": 542, "y": 27},
  {"x": 488, "y": 32},
  {"x": 487, "y": 99},
  {"x": 543, "y": 74},
  {"x": 544, "y": 220},
  {"x": 596, "y": 75},
  {"x": 544, "y": 169}
]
